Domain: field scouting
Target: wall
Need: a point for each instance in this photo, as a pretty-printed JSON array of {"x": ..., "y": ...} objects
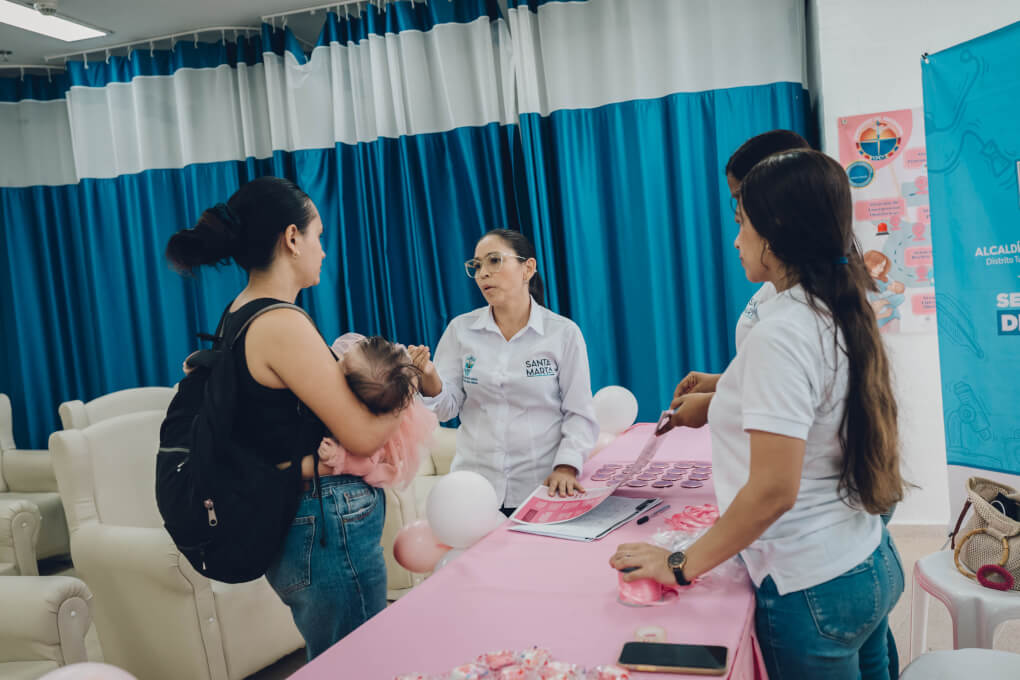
[{"x": 864, "y": 57}]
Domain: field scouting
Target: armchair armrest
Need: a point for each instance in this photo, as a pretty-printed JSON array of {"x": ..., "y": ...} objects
[
  {"x": 29, "y": 471},
  {"x": 156, "y": 616},
  {"x": 442, "y": 448},
  {"x": 73, "y": 415},
  {"x": 115, "y": 552},
  {"x": 44, "y": 618},
  {"x": 19, "y": 534}
]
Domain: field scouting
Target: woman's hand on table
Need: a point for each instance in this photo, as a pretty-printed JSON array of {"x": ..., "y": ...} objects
[
  {"x": 650, "y": 560},
  {"x": 689, "y": 410},
  {"x": 563, "y": 481}
]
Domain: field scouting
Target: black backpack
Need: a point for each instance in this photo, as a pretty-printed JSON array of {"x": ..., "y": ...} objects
[{"x": 226, "y": 508}]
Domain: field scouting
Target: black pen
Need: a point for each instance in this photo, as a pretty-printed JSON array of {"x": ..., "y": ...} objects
[{"x": 647, "y": 517}]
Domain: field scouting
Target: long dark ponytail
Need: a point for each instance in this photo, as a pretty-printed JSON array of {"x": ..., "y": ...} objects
[
  {"x": 799, "y": 202},
  {"x": 246, "y": 228},
  {"x": 522, "y": 246}
]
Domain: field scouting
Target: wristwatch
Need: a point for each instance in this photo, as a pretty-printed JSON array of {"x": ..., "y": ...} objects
[{"x": 676, "y": 562}]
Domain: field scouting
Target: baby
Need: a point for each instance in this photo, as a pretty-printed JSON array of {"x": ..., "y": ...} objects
[{"x": 384, "y": 378}]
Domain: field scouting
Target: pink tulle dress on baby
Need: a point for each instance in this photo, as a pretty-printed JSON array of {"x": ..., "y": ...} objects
[{"x": 396, "y": 463}]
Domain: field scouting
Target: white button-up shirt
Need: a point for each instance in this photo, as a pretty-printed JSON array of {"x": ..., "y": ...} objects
[{"x": 525, "y": 405}]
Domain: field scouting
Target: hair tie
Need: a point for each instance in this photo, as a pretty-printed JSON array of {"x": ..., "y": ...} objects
[{"x": 843, "y": 260}]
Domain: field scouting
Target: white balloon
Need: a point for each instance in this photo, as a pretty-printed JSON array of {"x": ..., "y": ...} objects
[
  {"x": 459, "y": 508},
  {"x": 448, "y": 557},
  {"x": 616, "y": 409},
  {"x": 604, "y": 440}
]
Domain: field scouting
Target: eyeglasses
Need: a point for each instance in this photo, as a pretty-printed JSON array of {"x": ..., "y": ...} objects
[{"x": 493, "y": 262}]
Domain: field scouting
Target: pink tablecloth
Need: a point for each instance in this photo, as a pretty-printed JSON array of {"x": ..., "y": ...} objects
[{"x": 512, "y": 591}]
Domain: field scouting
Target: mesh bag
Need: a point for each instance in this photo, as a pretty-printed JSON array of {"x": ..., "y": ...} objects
[{"x": 987, "y": 549}]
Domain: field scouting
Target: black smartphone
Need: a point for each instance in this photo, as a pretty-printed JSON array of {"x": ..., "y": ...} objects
[{"x": 664, "y": 657}]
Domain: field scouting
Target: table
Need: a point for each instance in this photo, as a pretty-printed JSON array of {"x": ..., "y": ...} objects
[{"x": 513, "y": 591}]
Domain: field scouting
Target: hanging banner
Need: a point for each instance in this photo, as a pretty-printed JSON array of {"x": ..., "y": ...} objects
[
  {"x": 971, "y": 105},
  {"x": 884, "y": 157}
]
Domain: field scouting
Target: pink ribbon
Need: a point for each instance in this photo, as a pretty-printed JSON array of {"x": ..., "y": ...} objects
[{"x": 693, "y": 518}]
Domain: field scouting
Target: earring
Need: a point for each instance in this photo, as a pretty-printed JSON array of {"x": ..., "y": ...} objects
[{"x": 296, "y": 254}]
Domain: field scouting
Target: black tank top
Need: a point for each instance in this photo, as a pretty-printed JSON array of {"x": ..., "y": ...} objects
[{"x": 273, "y": 422}]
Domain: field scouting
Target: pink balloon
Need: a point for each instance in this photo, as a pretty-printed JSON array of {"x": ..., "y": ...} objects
[
  {"x": 416, "y": 549},
  {"x": 88, "y": 671}
]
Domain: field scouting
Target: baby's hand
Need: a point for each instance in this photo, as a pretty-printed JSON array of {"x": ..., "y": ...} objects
[{"x": 329, "y": 449}]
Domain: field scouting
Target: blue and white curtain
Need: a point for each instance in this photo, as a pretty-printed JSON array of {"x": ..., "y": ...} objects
[{"x": 600, "y": 128}]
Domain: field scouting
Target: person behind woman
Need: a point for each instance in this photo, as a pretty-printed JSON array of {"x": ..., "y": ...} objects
[
  {"x": 330, "y": 570},
  {"x": 804, "y": 437},
  {"x": 517, "y": 375},
  {"x": 694, "y": 393}
]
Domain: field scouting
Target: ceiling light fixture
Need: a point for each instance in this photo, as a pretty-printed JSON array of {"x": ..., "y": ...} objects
[{"x": 49, "y": 24}]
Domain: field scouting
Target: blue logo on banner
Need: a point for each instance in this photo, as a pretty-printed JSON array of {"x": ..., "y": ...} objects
[{"x": 860, "y": 174}]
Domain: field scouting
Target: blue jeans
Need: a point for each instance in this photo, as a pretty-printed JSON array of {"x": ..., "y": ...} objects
[
  {"x": 333, "y": 589},
  {"x": 837, "y": 630}
]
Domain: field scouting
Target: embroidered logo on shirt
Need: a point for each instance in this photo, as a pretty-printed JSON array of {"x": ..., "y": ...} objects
[
  {"x": 538, "y": 368},
  {"x": 751, "y": 310},
  {"x": 469, "y": 363}
]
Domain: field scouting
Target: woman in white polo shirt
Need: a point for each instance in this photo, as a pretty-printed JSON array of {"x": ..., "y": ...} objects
[
  {"x": 517, "y": 375},
  {"x": 804, "y": 437}
]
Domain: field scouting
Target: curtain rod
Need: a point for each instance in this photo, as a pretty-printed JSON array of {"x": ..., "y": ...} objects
[
  {"x": 28, "y": 67},
  {"x": 270, "y": 18},
  {"x": 151, "y": 42}
]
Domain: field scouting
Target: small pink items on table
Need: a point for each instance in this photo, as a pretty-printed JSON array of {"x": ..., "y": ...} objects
[{"x": 527, "y": 664}]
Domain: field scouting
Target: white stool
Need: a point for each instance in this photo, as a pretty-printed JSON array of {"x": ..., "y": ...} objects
[
  {"x": 986, "y": 664},
  {"x": 976, "y": 611}
]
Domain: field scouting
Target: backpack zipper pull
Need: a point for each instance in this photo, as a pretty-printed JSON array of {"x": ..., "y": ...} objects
[
  {"x": 181, "y": 464},
  {"x": 212, "y": 512}
]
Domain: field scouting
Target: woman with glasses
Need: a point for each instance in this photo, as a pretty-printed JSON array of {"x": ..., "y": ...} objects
[{"x": 517, "y": 375}]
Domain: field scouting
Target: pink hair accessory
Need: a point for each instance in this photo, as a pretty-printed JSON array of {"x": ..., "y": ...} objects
[
  {"x": 609, "y": 673},
  {"x": 345, "y": 342}
]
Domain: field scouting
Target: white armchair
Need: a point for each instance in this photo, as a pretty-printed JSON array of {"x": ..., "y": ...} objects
[
  {"x": 19, "y": 533},
  {"x": 156, "y": 616},
  {"x": 43, "y": 622},
  {"x": 77, "y": 415},
  {"x": 32, "y": 524}
]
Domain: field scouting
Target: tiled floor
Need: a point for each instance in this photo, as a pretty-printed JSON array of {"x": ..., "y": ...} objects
[{"x": 913, "y": 542}]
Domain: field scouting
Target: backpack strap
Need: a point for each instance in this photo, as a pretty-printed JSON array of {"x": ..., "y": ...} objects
[{"x": 260, "y": 307}]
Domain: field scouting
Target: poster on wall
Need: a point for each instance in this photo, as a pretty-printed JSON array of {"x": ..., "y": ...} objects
[
  {"x": 884, "y": 157},
  {"x": 971, "y": 99}
]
